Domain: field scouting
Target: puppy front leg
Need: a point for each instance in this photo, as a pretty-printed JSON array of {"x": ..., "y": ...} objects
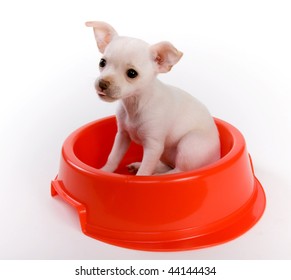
[
  {"x": 151, "y": 156},
  {"x": 120, "y": 146}
]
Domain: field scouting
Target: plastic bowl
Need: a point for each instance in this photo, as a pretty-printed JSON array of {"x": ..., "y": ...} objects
[{"x": 182, "y": 211}]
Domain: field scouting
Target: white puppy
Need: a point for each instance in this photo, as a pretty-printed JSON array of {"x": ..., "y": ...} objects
[{"x": 176, "y": 131}]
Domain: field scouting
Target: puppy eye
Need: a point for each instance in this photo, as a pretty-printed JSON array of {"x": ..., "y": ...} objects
[
  {"x": 102, "y": 63},
  {"x": 131, "y": 73}
]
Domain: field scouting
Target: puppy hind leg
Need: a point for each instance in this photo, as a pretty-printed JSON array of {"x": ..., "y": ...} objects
[
  {"x": 162, "y": 168},
  {"x": 133, "y": 167},
  {"x": 196, "y": 150}
]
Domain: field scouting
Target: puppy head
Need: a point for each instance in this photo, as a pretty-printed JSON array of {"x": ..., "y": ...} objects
[{"x": 128, "y": 65}]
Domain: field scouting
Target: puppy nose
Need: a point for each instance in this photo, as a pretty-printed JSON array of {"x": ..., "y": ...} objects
[{"x": 103, "y": 84}]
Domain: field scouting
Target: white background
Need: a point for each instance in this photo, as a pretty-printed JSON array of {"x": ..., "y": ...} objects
[{"x": 236, "y": 60}]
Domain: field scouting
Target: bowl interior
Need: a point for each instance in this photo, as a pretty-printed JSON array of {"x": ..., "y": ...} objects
[{"x": 93, "y": 145}]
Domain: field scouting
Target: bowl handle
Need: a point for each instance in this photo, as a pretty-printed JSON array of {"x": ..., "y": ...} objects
[{"x": 58, "y": 188}]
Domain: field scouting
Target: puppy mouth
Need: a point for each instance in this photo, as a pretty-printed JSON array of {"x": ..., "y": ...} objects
[
  {"x": 101, "y": 93},
  {"x": 105, "y": 97}
]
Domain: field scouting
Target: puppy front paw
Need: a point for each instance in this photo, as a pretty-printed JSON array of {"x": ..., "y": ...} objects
[
  {"x": 133, "y": 167},
  {"x": 108, "y": 168}
]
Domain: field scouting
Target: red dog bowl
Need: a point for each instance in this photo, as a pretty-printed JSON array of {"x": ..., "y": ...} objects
[{"x": 182, "y": 211}]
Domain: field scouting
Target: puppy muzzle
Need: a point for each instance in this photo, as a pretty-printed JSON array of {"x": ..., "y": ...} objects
[
  {"x": 103, "y": 84},
  {"x": 105, "y": 90}
]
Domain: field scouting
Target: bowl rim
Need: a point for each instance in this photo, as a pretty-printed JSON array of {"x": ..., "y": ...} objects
[{"x": 238, "y": 145}]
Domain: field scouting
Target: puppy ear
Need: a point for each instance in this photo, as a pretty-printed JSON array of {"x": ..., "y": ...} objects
[
  {"x": 165, "y": 56},
  {"x": 103, "y": 32}
]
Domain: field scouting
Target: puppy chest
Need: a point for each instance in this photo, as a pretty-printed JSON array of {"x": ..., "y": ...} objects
[{"x": 135, "y": 132}]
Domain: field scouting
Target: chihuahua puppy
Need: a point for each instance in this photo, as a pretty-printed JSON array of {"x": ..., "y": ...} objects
[{"x": 176, "y": 131}]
